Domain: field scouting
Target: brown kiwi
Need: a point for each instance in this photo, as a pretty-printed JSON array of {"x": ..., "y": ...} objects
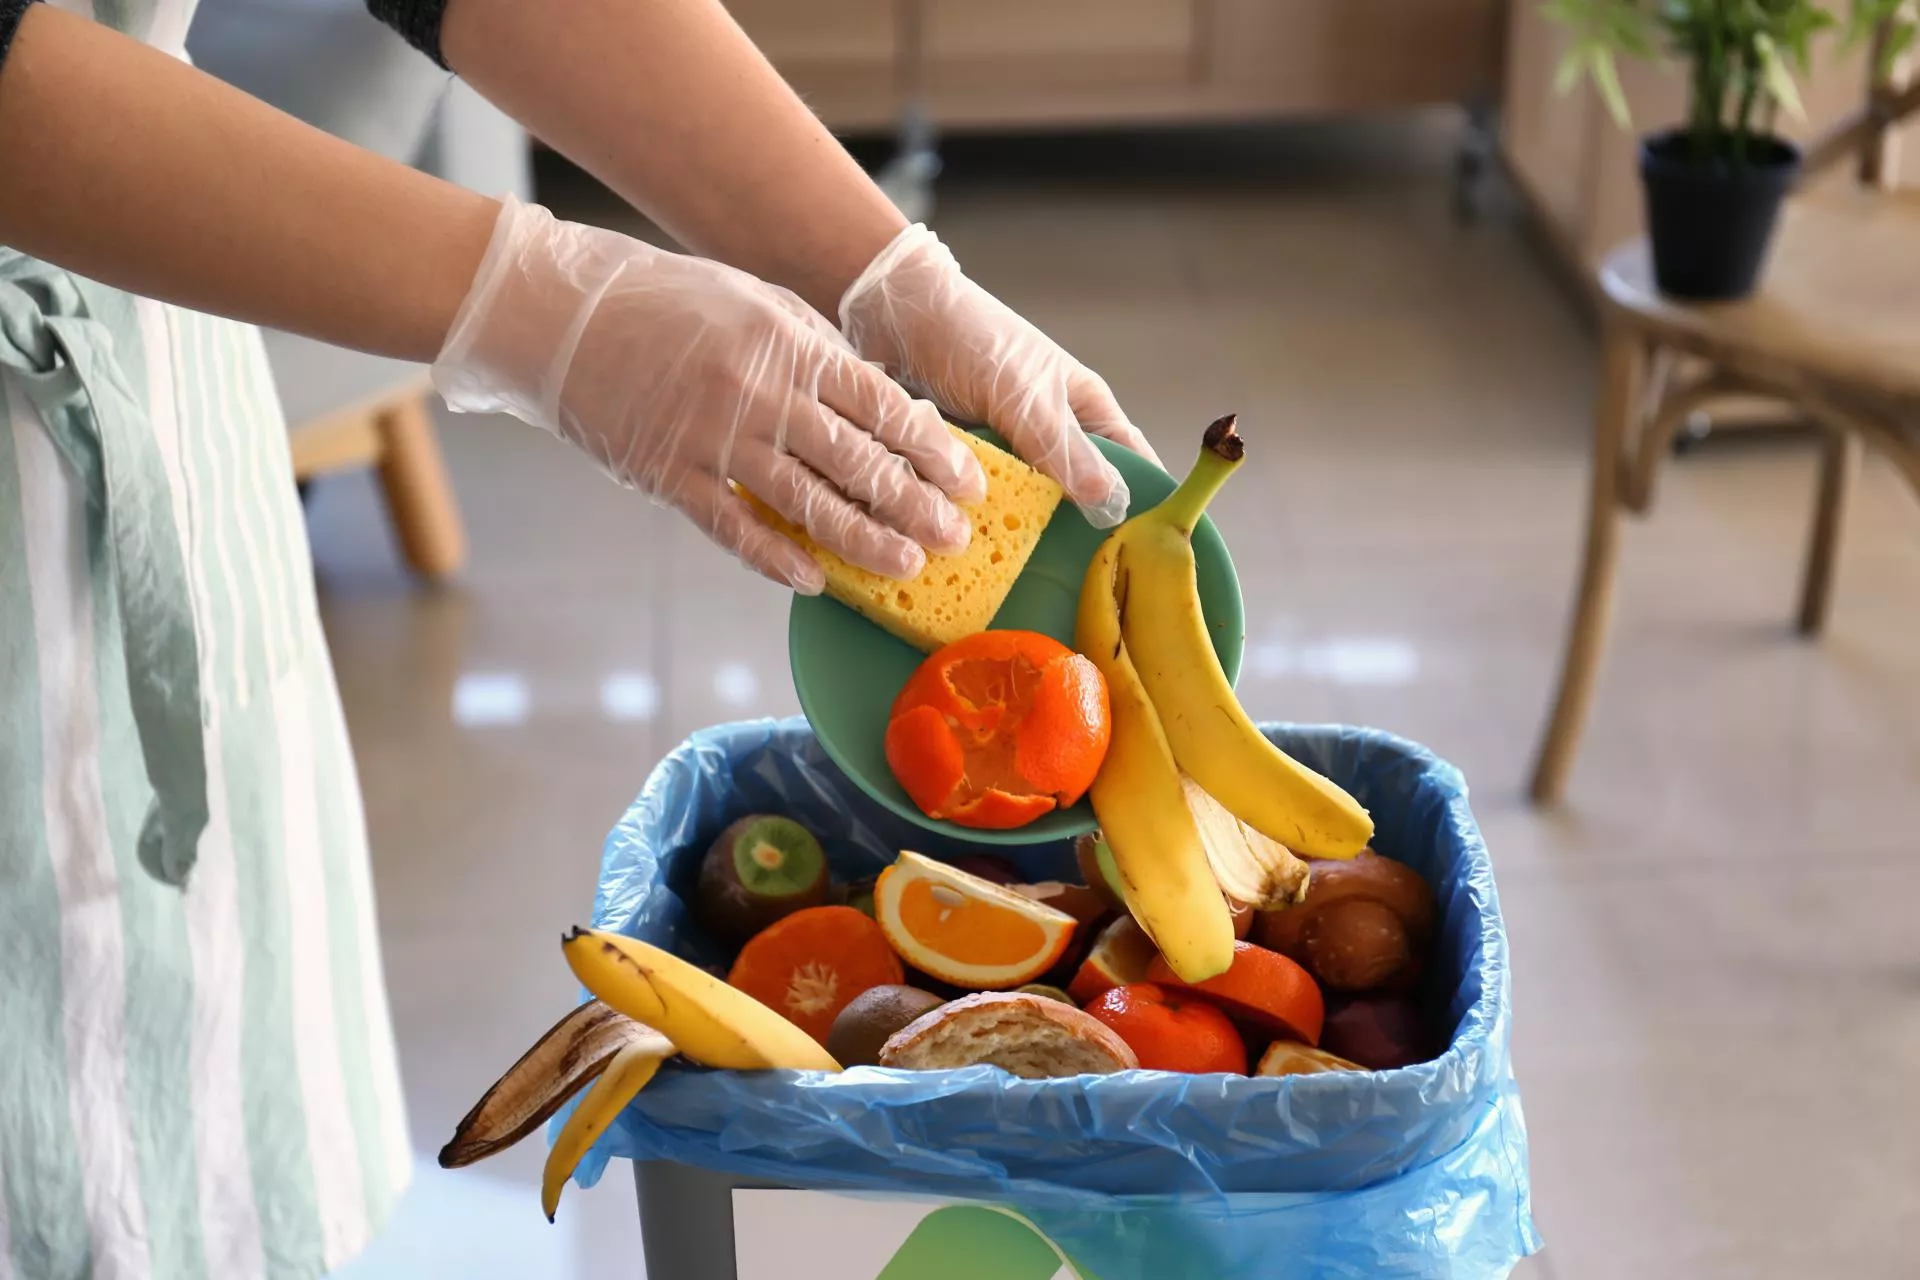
[
  {"x": 870, "y": 1021},
  {"x": 761, "y": 869},
  {"x": 857, "y": 894},
  {"x": 1084, "y": 903},
  {"x": 1045, "y": 992},
  {"x": 990, "y": 867}
]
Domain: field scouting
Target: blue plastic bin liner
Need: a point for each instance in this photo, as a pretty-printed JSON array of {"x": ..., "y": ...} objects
[{"x": 1416, "y": 1172}]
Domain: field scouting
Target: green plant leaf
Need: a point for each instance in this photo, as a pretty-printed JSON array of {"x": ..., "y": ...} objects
[
  {"x": 1899, "y": 40},
  {"x": 1900, "y": 37},
  {"x": 1606, "y": 78},
  {"x": 1572, "y": 64},
  {"x": 1629, "y": 29},
  {"x": 1778, "y": 79},
  {"x": 1864, "y": 17}
]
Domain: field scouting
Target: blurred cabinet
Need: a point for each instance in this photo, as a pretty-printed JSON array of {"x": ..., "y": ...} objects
[
  {"x": 848, "y": 46},
  {"x": 1015, "y": 63},
  {"x": 1002, "y": 45},
  {"x": 1580, "y": 171}
]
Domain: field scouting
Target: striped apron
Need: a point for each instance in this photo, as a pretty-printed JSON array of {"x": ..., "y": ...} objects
[{"x": 197, "y": 1073}]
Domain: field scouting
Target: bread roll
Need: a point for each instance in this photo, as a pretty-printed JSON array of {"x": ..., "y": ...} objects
[{"x": 1025, "y": 1035}]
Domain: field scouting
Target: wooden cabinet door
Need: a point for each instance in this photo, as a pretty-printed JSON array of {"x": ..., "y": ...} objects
[
  {"x": 820, "y": 36},
  {"x": 1341, "y": 55},
  {"x": 1061, "y": 43},
  {"x": 839, "y": 55}
]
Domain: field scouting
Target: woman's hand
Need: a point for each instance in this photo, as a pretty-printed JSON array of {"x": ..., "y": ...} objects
[
  {"x": 917, "y": 313},
  {"x": 680, "y": 377},
  {"x": 672, "y": 107}
]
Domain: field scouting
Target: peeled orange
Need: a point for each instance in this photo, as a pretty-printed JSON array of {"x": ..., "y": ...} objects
[
  {"x": 997, "y": 729},
  {"x": 965, "y": 930},
  {"x": 1172, "y": 1029}
]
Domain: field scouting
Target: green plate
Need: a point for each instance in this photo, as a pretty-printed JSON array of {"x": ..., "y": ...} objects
[{"x": 848, "y": 671}]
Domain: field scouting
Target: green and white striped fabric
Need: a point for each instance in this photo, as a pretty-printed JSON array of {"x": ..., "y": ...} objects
[{"x": 196, "y": 1079}]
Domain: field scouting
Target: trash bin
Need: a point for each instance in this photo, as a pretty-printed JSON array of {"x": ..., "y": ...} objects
[{"x": 1417, "y": 1172}]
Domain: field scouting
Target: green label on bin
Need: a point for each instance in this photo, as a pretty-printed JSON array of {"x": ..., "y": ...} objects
[
  {"x": 805, "y": 1235},
  {"x": 969, "y": 1241}
]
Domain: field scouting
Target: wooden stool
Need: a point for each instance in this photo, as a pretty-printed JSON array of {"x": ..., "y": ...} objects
[
  {"x": 346, "y": 410},
  {"x": 1833, "y": 331}
]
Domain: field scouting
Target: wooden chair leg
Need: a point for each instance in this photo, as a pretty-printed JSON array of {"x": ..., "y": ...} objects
[
  {"x": 1839, "y": 464},
  {"x": 420, "y": 499},
  {"x": 1625, "y": 359}
]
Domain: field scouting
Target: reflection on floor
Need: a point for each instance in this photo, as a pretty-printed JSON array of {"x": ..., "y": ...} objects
[{"x": 1718, "y": 997}]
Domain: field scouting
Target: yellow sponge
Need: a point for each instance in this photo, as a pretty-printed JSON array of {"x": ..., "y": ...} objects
[{"x": 954, "y": 596}]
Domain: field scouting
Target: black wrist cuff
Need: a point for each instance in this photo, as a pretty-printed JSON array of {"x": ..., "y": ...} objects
[
  {"x": 417, "y": 21},
  {"x": 11, "y": 11}
]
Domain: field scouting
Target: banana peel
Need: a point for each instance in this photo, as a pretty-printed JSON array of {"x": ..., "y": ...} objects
[
  {"x": 1210, "y": 733},
  {"x": 1156, "y": 845},
  {"x": 630, "y": 1071},
  {"x": 648, "y": 1006},
  {"x": 708, "y": 1021},
  {"x": 1253, "y": 871},
  {"x": 572, "y": 1053}
]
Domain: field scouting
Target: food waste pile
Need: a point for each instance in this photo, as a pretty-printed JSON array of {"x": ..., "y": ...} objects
[{"x": 1231, "y": 916}]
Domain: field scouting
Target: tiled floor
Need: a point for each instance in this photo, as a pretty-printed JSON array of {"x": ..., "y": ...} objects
[{"x": 1718, "y": 979}]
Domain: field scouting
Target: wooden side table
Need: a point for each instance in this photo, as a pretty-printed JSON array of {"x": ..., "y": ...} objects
[
  {"x": 347, "y": 410},
  {"x": 1833, "y": 330}
]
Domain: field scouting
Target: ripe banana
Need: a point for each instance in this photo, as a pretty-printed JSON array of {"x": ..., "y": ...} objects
[
  {"x": 629, "y": 1072},
  {"x": 572, "y": 1053},
  {"x": 1164, "y": 874},
  {"x": 710, "y": 1022},
  {"x": 1210, "y": 733}
]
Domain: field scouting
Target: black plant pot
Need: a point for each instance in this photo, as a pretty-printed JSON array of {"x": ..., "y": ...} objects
[{"x": 1711, "y": 219}]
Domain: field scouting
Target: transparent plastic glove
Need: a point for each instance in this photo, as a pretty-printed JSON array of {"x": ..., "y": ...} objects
[
  {"x": 918, "y": 314},
  {"x": 678, "y": 375}
]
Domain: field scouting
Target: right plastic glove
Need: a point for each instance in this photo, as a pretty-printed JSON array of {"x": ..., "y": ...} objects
[
  {"x": 679, "y": 375},
  {"x": 943, "y": 335}
]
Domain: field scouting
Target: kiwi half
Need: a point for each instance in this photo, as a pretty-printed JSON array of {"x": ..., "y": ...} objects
[{"x": 762, "y": 868}]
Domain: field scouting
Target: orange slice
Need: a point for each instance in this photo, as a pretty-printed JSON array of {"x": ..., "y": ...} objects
[
  {"x": 965, "y": 930},
  {"x": 1263, "y": 989},
  {"x": 1291, "y": 1058}
]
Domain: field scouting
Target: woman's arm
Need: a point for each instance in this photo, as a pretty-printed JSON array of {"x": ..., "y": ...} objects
[
  {"x": 677, "y": 375},
  {"x": 669, "y": 104},
  {"x": 130, "y": 167}
]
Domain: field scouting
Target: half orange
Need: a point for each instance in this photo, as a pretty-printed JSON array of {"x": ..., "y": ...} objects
[{"x": 965, "y": 930}]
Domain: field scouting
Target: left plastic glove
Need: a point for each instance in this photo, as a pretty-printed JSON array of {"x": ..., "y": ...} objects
[
  {"x": 679, "y": 376},
  {"x": 917, "y": 313}
]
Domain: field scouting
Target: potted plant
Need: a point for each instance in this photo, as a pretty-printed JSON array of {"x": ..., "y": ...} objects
[{"x": 1715, "y": 183}]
